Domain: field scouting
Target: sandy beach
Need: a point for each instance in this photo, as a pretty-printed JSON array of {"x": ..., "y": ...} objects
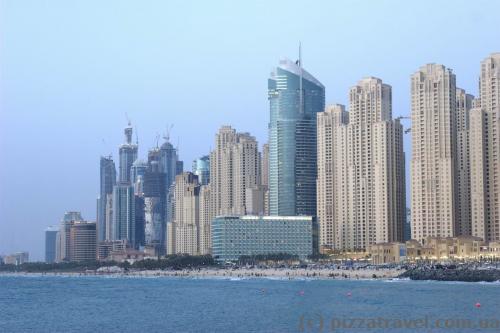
[
  {"x": 245, "y": 273},
  {"x": 284, "y": 273}
]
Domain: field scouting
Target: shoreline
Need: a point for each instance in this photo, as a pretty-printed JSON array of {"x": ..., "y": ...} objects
[
  {"x": 284, "y": 274},
  {"x": 240, "y": 273}
]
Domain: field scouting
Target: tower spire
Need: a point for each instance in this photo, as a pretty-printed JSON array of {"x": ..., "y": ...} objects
[{"x": 301, "y": 105}]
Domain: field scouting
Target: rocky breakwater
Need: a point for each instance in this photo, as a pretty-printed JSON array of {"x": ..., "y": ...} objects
[{"x": 452, "y": 273}]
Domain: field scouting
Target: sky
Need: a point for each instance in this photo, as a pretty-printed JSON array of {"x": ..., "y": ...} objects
[{"x": 70, "y": 72}]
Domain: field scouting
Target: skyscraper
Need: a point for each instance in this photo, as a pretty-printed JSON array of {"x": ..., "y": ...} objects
[
  {"x": 295, "y": 97},
  {"x": 205, "y": 220},
  {"x": 234, "y": 167},
  {"x": 108, "y": 180},
  {"x": 155, "y": 195},
  {"x": 361, "y": 178},
  {"x": 128, "y": 155},
  {"x": 332, "y": 177},
  {"x": 64, "y": 249},
  {"x": 201, "y": 168},
  {"x": 264, "y": 176},
  {"x": 485, "y": 153},
  {"x": 462, "y": 163},
  {"x": 264, "y": 165},
  {"x": 82, "y": 242},
  {"x": 137, "y": 172},
  {"x": 168, "y": 161},
  {"x": 433, "y": 112},
  {"x": 123, "y": 226},
  {"x": 50, "y": 244},
  {"x": 183, "y": 233}
]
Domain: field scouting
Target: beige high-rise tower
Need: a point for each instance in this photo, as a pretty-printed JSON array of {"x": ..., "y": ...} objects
[
  {"x": 264, "y": 169},
  {"x": 361, "y": 182},
  {"x": 462, "y": 163},
  {"x": 205, "y": 220},
  {"x": 331, "y": 204},
  {"x": 234, "y": 167},
  {"x": 183, "y": 233},
  {"x": 485, "y": 153},
  {"x": 433, "y": 208}
]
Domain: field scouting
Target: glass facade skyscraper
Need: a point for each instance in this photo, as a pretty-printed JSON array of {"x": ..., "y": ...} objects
[
  {"x": 201, "y": 168},
  {"x": 108, "y": 180},
  {"x": 128, "y": 155},
  {"x": 137, "y": 172},
  {"x": 50, "y": 244},
  {"x": 123, "y": 226},
  {"x": 295, "y": 97},
  {"x": 155, "y": 193},
  {"x": 168, "y": 159}
]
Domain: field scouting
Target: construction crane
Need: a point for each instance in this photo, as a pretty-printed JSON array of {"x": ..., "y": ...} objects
[
  {"x": 128, "y": 119},
  {"x": 407, "y": 130},
  {"x": 166, "y": 136},
  {"x": 157, "y": 139}
]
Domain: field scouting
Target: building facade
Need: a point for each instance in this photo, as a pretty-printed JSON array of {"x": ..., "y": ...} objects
[
  {"x": 234, "y": 167},
  {"x": 361, "y": 171},
  {"x": 155, "y": 197},
  {"x": 295, "y": 97},
  {"x": 201, "y": 168},
  {"x": 83, "y": 241},
  {"x": 233, "y": 236},
  {"x": 128, "y": 155},
  {"x": 51, "y": 244},
  {"x": 123, "y": 226},
  {"x": 183, "y": 233},
  {"x": 17, "y": 258},
  {"x": 463, "y": 224},
  {"x": 63, "y": 248},
  {"x": 264, "y": 175},
  {"x": 107, "y": 181},
  {"x": 485, "y": 153},
  {"x": 433, "y": 190},
  {"x": 205, "y": 220}
]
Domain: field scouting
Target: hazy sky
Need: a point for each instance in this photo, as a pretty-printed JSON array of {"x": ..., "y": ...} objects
[{"x": 70, "y": 70}]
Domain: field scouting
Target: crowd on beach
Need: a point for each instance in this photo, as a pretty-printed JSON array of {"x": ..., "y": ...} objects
[{"x": 287, "y": 273}]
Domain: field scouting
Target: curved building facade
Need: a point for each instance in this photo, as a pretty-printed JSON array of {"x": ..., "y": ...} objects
[{"x": 295, "y": 97}]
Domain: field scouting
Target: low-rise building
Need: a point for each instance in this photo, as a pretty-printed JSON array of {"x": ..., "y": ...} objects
[
  {"x": 385, "y": 253},
  {"x": 130, "y": 255},
  {"x": 17, "y": 258},
  {"x": 236, "y": 236},
  {"x": 435, "y": 248},
  {"x": 492, "y": 250},
  {"x": 106, "y": 247}
]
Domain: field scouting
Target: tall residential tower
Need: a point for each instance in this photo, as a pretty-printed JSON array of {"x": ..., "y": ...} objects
[
  {"x": 485, "y": 153},
  {"x": 361, "y": 177},
  {"x": 433, "y": 190}
]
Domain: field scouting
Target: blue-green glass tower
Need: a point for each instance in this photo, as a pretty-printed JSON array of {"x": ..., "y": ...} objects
[{"x": 295, "y": 97}]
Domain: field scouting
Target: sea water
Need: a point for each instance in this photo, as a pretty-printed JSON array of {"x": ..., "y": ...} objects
[{"x": 34, "y": 303}]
